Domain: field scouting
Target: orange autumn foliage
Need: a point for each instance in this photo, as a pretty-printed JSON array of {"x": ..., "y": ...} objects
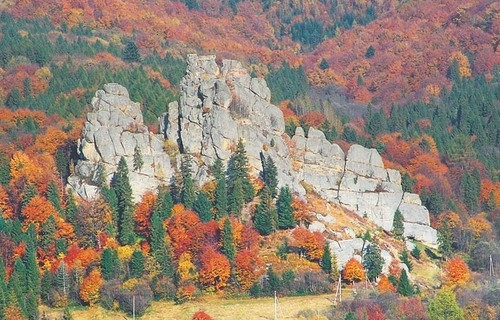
[
  {"x": 142, "y": 213},
  {"x": 5, "y": 207},
  {"x": 456, "y": 271},
  {"x": 302, "y": 210},
  {"x": 384, "y": 285},
  {"x": 248, "y": 268},
  {"x": 201, "y": 315},
  {"x": 480, "y": 226},
  {"x": 311, "y": 242},
  {"x": 89, "y": 289},
  {"x": 353, "y": 271},
  {"x": 180, "y": 227},
  {"x": 37, "y": 211},
  {"x": 215, "y": 269},
  {"x": 50, "y": 140}
]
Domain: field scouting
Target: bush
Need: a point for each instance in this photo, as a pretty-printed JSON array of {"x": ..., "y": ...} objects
[{"x": 114, "y": 291}]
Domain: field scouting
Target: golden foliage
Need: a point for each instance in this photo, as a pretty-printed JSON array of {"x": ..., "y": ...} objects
[
  {"x": 456, "y": 271},
  {"x": 353, "y": 271},
  {"x": 89, "y": 289}
]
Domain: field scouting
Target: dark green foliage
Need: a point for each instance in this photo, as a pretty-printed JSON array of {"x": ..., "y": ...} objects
[
  {"x": 67, "y": 314},
  {"x": 287, "y": 83},
  {"x": 351, "y": 316},
  {"x": 308, "y": 32},
  {"x": 375, "y": 122},
  {"x": 159, "y": 247},
  {"x": 372, "y": 261},
  {"x": 269, "y": 174},
  {"x": 284, "y": 209},
  {"x": 370, "y": 52},
  {"x": 136, "y": 299},
  {"x": 220, "y": 199},
  {"x": 218, "y": 169},
  {"x": 236, "y": 198},
  {"x": 121, "y": 185},
  {"x": 470, "y": 188},
  {"x": 238, "y": 176},
  {"x": 48, "y": 233},
  {"x": 164, "y": 204},
  {"x": 28, "y": 193},
  {"x": 329, "y": 130},
  {"x": 283, "y": 250},
  {"x": 405, "y": 258},
  {"x": 137, "y": 264},
  {"x": 131, "y": 52},
  {"x": 14, "y": 100},
  {"x": 46, "y": 288},
  {"x": 264, "y": 219},
  {"x": 272, "y": 283},
  {"x": 188, "y": 193},
  {"x": 397, "y": 225},
  {"x": 350, "y": 135},
  {"x": 445, "y": 240},
  {"x": 407, "y": 182},
  {"x": 202, "y": 207},
  {"x": 4, "y": 169},
  {"x": 326, "y": 259},
  {"x": 138, "y": 162},
  {"x": 416, "y": 253},
  {"x": 323, "y": 65},
  {"x": 404, "y": 287},
  {"x": 17, "y": 286},
  {"x": 53, "y": 196},
  {"x": 110, "y": 264},
  {"x": 61, "y": 246},
  {"x": 4, "y": 293},
  {"x": 228, "y": 246},
  {"x": 71, "y": 208},
  {"x": 191, "y": 4}
]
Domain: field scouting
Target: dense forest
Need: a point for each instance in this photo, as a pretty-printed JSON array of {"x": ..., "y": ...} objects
[{"x": 425, "y": 75}]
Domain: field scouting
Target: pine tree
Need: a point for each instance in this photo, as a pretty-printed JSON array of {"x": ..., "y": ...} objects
[
  {"x": 445, "y": 307},
  {"x": 159, "y": 247},
  {"x": 28, "y": 193},
  {"x": 372, "y": 261},
  {"x": 62, "y": 279},
  {"x": 14, "y": 100},
  {"x": 220, "y": 199},
  {"x": 46, "y": 287},
  {"x": 397, "y": 225},
  {"x": 415, "y": 252},
  {"x": 237, "y": 169},
  {"x": 53, "y": 196},
  {"x": 48, "y": 233},
  {"x": 264, "y": 218},
  {"x": 236, "y": 198},
  {"x": 4, "y": 293},
  {"x": 4, "y": 169},
  {"x": 109, "y": 264},
  {"x": 125, "y": 206},
  {"x": 326, "y": 259},
  {"x": 131, "y": 52},
  {"x": 202, "y": 207},
  {"x": 164, "y": 204},
  {"x": 323, "y": 65},
  {"x": 188, "y": 194},
  {"x": 137, "y": 264},
  {"x": 404, "y": 286},
  {"x": 218, "y": 169},
  {"x": 445, "y": 240},
  {"x": 71, "y": 208},
  {"x": 17, "y": 287},
  {"x": 284, "y": 209},
  {"x": 405, "y": 258},
  {"x": 138, "y": 161},
  {"x": 269, "y": 174},
  {"x": 228, "y": 247}
]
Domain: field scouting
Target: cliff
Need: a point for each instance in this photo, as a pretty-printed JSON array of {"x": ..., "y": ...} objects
[{"x": 220, "y": 105}]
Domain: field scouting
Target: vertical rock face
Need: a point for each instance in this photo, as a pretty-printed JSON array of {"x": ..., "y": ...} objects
[
  {"x": 220, "y": 105},
  {"x": 113, "y": 130}
]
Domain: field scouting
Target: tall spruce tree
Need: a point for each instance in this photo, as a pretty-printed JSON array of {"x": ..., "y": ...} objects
[
  {"x": 164, "y": 204},
  {"x": 4, "y": 293},
  {"x": 269, "y": 174},
  {"x": 218, "y": 169},
  {"x": 53, "y": 196},
  {"x": 4, "y": 169},
  {"x": 131, "y": 52},
  {"x": 138, "y": 161},
  {"x": 29, "y": 192},
  {"x": 71, "y": 208},
  {"x": 121, "y": 185},
  {"x": 228, "y": 246},
  {"x": 202, "y": 207},
  {"x": 372, "y": 261},
  {"x": 48, "y": 233},
  {"x": 284, "y": 209},
  {"x": 264, "y": 218},
  {"x": 326, "y": 259},
  {"x": 397, "y": 225},
  {"x": 110, "y": 264},
  {"x": 18, "y": 287},
  {"x": 237, "y": 169},
  {"x": 405, "y": 258},
  {"x": 188, "y": 193},
  {"x": 137, "y": 264},
  {"x": 404, "y": 287},
  {"x": 159, "y": 247},
  {"x": 236, "y": 198},
  {"x": 220, "y": 199}
]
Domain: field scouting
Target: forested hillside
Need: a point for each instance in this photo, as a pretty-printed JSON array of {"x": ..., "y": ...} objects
[{"x": 417, "y": 80}]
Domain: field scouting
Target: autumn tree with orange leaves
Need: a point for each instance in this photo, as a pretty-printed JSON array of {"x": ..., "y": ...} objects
[
  {"x": 456, "y": 271},
  {"x": 214, "y": 270},
  {"x": 89, "y": 290},
  {"x": 312, "y": 243},
  {"x": 142, "y": 213},
  {"x": 353, "y": 271},
  {"x": 248, "y": 268}
]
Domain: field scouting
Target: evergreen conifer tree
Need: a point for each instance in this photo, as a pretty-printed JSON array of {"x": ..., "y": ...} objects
[
  {"x": 404, "y": 286},
  {"x": 48, "y": 233},
  {"x": 323, "y": 65},
  {"x": 123, "y": 191},
  {"x": 159, "y": 247},
  {"x": 71, "y": 208},
  {"x": 188, "y": 194},
  {"x": 445, "y": 307},
  {"x": 264, "y": 220},
  {"x": 4, "y": 294},
  {"x": 405, "y": 258},
  {"x": 228, "y": 247},
  {"x": 236, "y": 198},
  {"x": 202, "y": 207},
  {"x": 109, "y": 264},
  {"x": 4, "y": 169},
  {"x": 164, "y": 204},
  {"x": 28, "y": 193},
  {"x": 372, "y": 261},
  {"x": 131, "y": 52},
  {"x": 137, "y": 264},
  {"x": 218, "y": 169},
  {"x": 53, "y": 196},
  {"x": 445, "y": 239},
  {"x": 397, "y": 225},
  {"x": 237, "y": 169},
  {"x": 269, "y": 174},
  {"x": 326, "y": 259},
  {"x": 18, "y": 288},
  {"x": 138, "y": 161},
  {"x": 46, "y": 287},
  {"x": 220, "y": 199},
  {"x": 284, "y": 209}
]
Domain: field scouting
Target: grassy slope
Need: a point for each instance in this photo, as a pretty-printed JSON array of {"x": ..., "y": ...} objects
[{"x": 217, "y": 308}]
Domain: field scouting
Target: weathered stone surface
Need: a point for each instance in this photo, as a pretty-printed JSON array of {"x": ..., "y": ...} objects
[
  {"x": 421, "y": 232},
  {"x": 346, "y": 249},
  {"x": 317, "y": 226}
]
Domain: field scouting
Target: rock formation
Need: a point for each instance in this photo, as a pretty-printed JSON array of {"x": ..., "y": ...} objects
[{"x": 220, "y": 105}]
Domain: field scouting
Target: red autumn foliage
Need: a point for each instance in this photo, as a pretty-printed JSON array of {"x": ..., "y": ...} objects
[
  {"x": 311, "y": 242},
  {"x": 142, "y": 213},
  {"x": 413, "y": 309},
  {"x": 180, "y": 228},
  {"x": 248, "y": 267},
  {"x": 214, "y": 269},
  {"x": 201, "y": 315},
  {"x": 353, "y": 271},
  {"x": 456, "y": 271}
]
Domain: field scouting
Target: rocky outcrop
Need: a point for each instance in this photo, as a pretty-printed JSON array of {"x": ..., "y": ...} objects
[
  {"x": 218, "y": 106},
  {"x": 114, "y": 129}
]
